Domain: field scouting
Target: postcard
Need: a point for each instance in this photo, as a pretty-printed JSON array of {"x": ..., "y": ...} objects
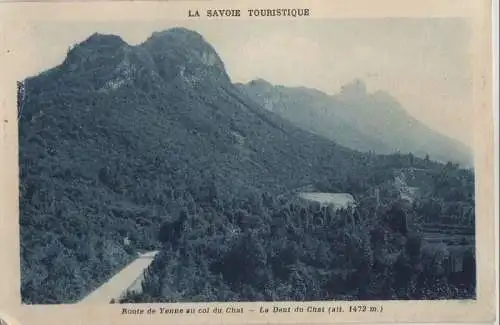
[{"x": 264, "y": 162}]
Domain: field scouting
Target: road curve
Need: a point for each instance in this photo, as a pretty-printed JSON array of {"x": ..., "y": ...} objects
[{"x": 115, "y": 287}]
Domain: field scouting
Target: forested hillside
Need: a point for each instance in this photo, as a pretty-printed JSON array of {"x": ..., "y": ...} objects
[
  {"x": 263, "y": 248},
  {"x": 126, "y": 148}
]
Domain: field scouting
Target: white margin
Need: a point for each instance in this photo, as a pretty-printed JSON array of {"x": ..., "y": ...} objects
[{"x": 495, "y": 75}]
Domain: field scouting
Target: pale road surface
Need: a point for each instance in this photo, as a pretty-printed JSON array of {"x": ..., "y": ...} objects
[{"x": 120, "y": 282}]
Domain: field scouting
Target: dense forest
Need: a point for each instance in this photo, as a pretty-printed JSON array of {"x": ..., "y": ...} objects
[
  {"x": 263, "y": 248},
  {"x": 126, "y": 148}
]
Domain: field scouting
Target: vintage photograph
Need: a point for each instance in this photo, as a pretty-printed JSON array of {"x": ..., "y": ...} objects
[{"x": 296, "y": 160}]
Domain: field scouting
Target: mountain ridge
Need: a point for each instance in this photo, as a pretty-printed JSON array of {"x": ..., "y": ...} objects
[{"x": 369, "y": 117}]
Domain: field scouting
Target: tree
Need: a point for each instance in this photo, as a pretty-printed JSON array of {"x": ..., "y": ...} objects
[{"x": 398, "y": 219}]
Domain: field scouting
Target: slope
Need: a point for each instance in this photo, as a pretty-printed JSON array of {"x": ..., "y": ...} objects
[{"x": 357, "y": 119}]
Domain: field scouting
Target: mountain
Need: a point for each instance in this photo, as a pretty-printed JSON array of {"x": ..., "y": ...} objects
[
  {"x": 309, "y": 109},
  {"x": 358, "y": 119},
  {"x": 126, "y": 148},
  {"x": 117, "y": 138},
  {"x": 169, "y": 97}
]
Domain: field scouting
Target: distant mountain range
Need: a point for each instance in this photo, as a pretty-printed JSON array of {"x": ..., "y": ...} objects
[{"x": 358, "y": 119}]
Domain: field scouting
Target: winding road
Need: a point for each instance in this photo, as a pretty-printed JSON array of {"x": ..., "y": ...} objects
[{"x": 129, "y": 278}]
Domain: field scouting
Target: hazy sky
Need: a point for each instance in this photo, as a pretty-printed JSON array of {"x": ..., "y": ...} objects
[{"x": 424, "y": 63}]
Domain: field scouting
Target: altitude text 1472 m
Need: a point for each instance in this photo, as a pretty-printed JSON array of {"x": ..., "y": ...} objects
[
  {"x": 364, "y": 309},
  {"x": 323, "y": 309}
]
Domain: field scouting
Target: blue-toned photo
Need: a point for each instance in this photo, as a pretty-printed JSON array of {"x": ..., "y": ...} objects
[{"x": 212, "y": 162}]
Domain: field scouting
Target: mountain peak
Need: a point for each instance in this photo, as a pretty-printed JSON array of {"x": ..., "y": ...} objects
[
  {"x": 384, "y": 96},
  {"x": 100, "y": 40},
  {"x": 355, "y": 88},
  {"x": 185, "y": 53},
  {"x": 259, "y": 82},
  {"x": 89, "y": 54},
  {"x": 175, "y": 55},
  {"x": 178, "y": 33}
]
